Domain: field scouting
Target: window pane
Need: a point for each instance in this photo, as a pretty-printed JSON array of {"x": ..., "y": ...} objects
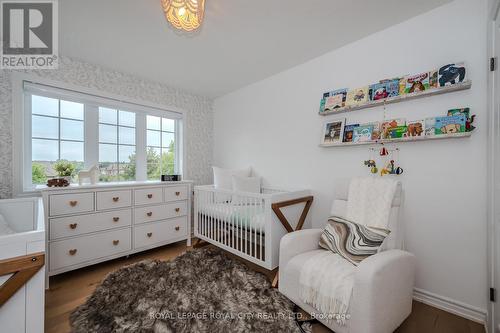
[
  {"x": 44, "y": 105},
  {"x": 127, "y": 118},
  {"x": 108, "y": 116},
  {"x": 153, "y": 138},
  {"x": 127, "y": 171},
  {"x": 44, "y": 127},
  {"x": 126, "y": 154},
  {"x": 71, "y": 110},
  {"x": 167, "y": 161},
  {"x": 167, "y": 125},
  {"x": 107, "y": 153},
  {"x": 127, "y": 135},
  {"x": 39, "y": 172},
  {"x": 167, "y": 140},
  {"x": 154, "y": 171},
  {"x": 107, "y": 133},
  {"x": 71, "y": 130},
  {"x": 72, "y": 151},
  {"x": 44, "y": 150},
  {"x": 109, "y": 172},
  {"x": 153, "y": 122}
]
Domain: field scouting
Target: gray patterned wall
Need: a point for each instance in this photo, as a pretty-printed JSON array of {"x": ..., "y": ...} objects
[{"x": 199, "y": 129}]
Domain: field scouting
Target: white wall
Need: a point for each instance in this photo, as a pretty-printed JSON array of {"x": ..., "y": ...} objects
[{"x": 273, "y": 126}]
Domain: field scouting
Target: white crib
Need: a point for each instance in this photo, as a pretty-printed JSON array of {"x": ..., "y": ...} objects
[
  {"x": 244, "y": 223},
  {"x": 24, "y": 311}
]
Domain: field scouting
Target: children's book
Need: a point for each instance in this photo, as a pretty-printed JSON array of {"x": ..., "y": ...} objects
[
  {"x": 392, "y": 87},
  {"x": 402, "y": 84},
  {"x": 322, "y": 105},
  {"x": 348, "y": 132},
  {"x": 333, "y": 102},
  {"x": 415, "y": 128},
  {"x": 362, "y": 133},
  {"x": 333, "y": 131},
  {"x": 397, "y": 132},
  {"x": 450, "y": 124},
  {"x": 387, "y": 125},
  {"x": 430, "y": 126},
  {"x": 451, "y": 74},
  {"x": 416, "y": 83},
  {"x": 376, "y": 129},
  {"x": 433, "y": 79},
  {"x": 464, "y": 111},
  {"x": 378, "y": 91},
  {"x": 356, "y": 96}
]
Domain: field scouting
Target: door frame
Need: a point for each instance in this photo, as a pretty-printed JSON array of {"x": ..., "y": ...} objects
[{"x": 493, "y": 209}]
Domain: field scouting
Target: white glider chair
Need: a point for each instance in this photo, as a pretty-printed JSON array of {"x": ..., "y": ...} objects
[{"x": 383, "y": 283}]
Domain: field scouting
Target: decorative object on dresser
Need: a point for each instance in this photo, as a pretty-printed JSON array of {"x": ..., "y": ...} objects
[
  {"x": 22, "y": 265},
  {"x": 94, "y": 223},
  {"x": 92, "y": 175},
  {"x": 205, "y": 281},
  {"x": 171, "y": 178}
]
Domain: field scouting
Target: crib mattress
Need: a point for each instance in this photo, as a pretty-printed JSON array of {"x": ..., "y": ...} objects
[{"x": 242, "y": 216}]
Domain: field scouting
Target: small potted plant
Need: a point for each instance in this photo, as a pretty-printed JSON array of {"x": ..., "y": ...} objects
[{"x": 65, "y": 171}]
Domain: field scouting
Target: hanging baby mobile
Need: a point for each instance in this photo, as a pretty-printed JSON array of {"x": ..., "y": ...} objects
[{"x": 389, "y": 158}]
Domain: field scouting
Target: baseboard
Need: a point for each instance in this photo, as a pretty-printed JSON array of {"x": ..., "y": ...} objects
[{"x": 450, "y": 305}]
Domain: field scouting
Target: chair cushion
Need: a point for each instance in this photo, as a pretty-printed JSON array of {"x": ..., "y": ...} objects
[{"x": 352, "y": 241}]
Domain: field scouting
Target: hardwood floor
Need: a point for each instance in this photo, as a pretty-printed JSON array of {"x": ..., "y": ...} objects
[{"x": 69, "y": 290}]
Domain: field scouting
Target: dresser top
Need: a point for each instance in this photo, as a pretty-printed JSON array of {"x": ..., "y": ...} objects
[{"x": 114, "y": 185}]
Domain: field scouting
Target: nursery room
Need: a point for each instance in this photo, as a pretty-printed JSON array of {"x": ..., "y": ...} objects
[{"x": 249, "y": 166}]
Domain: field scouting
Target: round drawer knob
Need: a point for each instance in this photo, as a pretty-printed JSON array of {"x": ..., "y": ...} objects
[
  {"x": 177, "y": 193},
  {"x": 149, "y": 213},
  {"x": 73, "y": 203},
  {"x": 177, "y": 228},
  {"x": 72, "y": 252},
  {"x": 177, "y": 210},
  {"x": 149, "y": 234},
  {"x": 115, "y": 242},
  {"x": 150, "y": 196},
  {"x": 116, "y": 219},
  {"x": 73, "y": 225},
  {"x": 115, "y": 199}
]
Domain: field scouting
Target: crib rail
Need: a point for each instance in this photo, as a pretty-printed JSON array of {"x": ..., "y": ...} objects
[{"x": 234, "y": 221}]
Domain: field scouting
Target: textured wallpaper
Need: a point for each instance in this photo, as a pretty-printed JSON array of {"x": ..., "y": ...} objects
[{"x": 199, "y": 128}]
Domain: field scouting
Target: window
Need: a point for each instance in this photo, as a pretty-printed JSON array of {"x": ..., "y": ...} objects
[
  {"x": 127, "y": 141},
  {"x": 116, "y": 145},
  {"x": 160, "y": 146},
  {"x": 57, "y": 128}
]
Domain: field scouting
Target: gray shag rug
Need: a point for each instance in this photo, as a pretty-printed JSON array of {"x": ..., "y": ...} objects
[{"x": 202, "y": 290}]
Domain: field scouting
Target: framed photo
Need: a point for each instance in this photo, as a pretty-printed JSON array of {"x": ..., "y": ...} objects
[{"x": 333, "y": 131}]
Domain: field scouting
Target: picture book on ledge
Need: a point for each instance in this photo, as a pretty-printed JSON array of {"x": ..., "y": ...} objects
[{"x": 340, "y": 99}]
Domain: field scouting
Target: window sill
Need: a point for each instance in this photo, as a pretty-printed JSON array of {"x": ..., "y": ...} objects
[{"x": 40, "y": 188}]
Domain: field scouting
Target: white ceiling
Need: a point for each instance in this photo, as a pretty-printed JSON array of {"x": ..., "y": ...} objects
[{"x": 241, "y": 41}]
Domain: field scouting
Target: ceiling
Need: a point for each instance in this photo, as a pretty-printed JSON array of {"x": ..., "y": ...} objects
[{"x": 241, "y": 41}]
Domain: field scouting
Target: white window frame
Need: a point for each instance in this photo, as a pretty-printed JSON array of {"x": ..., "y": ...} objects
[{"x": 92, "y": 98}]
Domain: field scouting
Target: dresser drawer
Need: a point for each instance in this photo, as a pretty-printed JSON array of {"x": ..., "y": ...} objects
[
  {"x": 62, "y": 204},
  {"x": 174, "y": 193},
  {"x": 147, "y": 196},
  {"x": 160, "y": 212},
  {"x": 82, "y": 224},
  {"x": 113, "y": 199},
  {"x": 158, "y": 232},
  {"x": 75, "y": 251}
]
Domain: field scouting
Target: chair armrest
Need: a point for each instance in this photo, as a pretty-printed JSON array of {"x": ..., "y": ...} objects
[
  {"x": 298, "y": 242},
  {"x": 383, "y": 291}
]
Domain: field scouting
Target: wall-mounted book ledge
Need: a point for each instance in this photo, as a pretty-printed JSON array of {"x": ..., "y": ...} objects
[
  {"x": 406, "y": 139},
  {"x": 400, "y": 98}
]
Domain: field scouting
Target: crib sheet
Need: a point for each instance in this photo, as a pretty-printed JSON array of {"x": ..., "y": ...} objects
[{"x": 242, "y": 216}]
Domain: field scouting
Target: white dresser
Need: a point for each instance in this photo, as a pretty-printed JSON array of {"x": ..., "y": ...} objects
[{"x": 94, "y": 223}]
